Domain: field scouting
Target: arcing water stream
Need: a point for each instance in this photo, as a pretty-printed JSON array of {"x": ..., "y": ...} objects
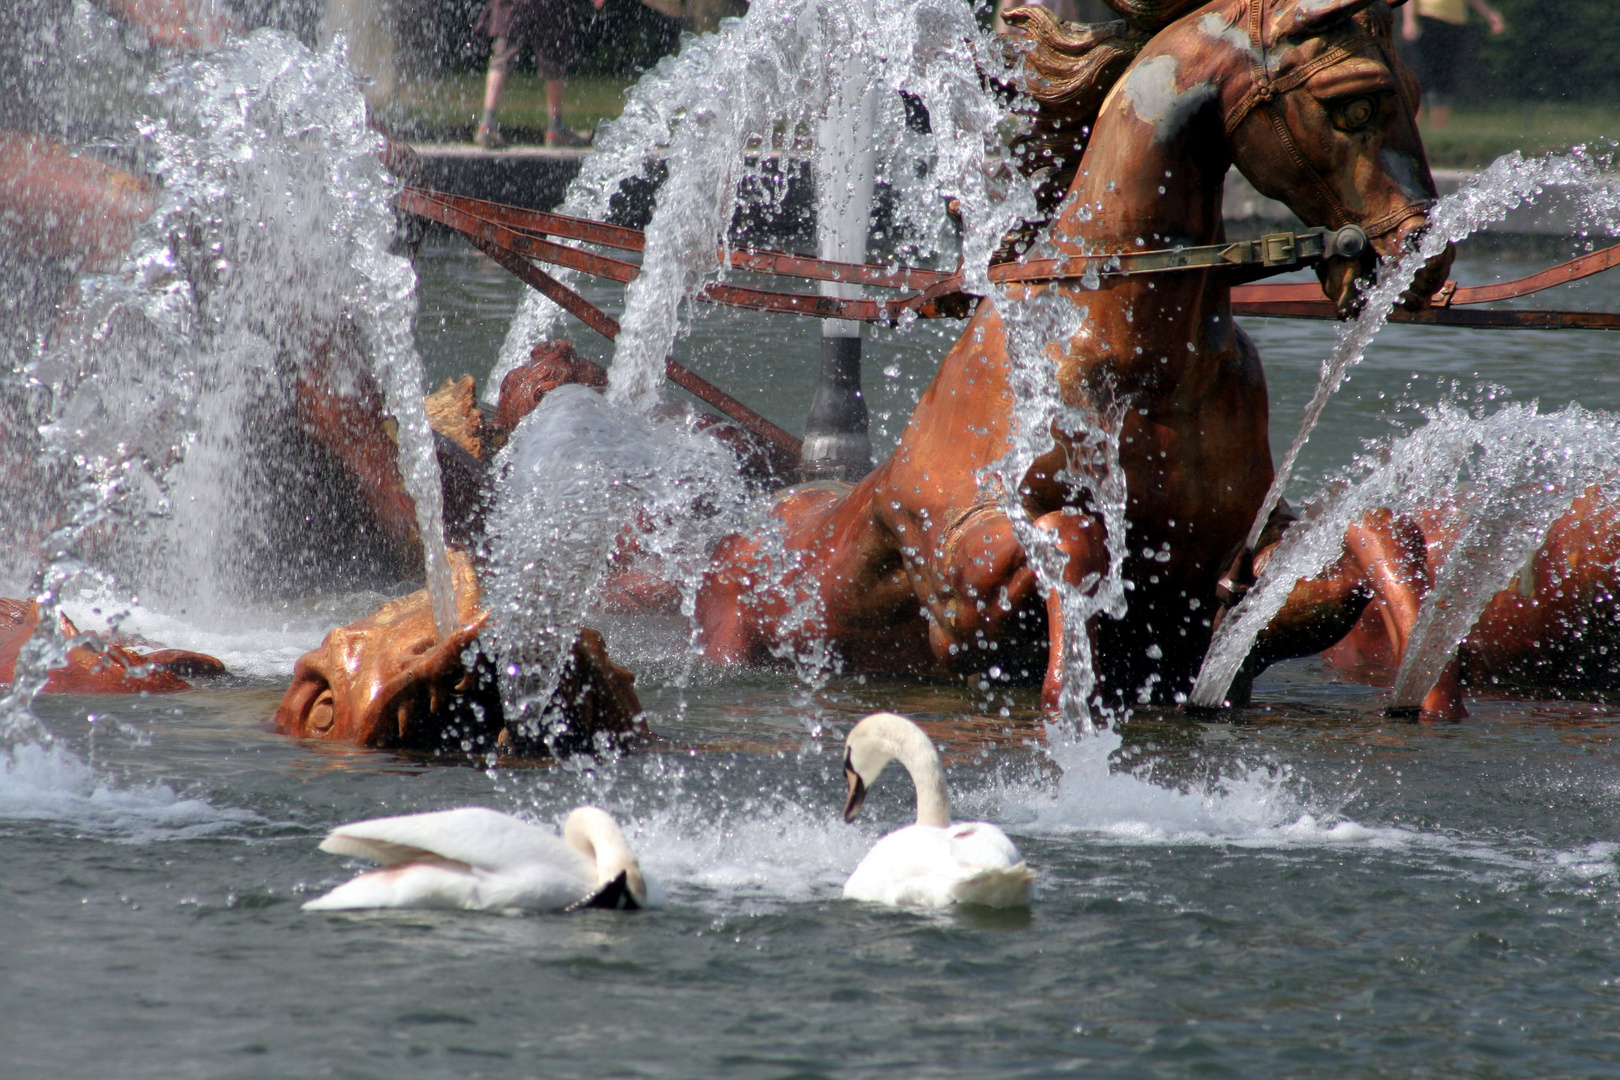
[
  {"x": 168, "y": 386},
  {"x": 726, "y": 116},
  {"x": 1312, "y": 893},
  {"x": 1508, "y": 183}
]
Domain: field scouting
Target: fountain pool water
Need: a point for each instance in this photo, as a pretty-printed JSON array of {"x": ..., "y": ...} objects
[{"x": 1316, "y": 891}]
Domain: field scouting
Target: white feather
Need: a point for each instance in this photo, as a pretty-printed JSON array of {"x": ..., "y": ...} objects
[
  {"x": 929, "y": 864},
  {"x": 477, "y": 860}
]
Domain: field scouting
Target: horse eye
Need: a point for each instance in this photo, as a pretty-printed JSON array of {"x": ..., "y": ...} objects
[{"x": 1357, "y": 114}]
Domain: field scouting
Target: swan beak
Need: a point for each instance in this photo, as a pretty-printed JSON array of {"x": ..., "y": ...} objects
[
  {"x": 857, "y": 791},
  {"x": 616, "y": 895}
]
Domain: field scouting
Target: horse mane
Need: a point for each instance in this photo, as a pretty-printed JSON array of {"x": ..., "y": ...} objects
[{"x": 1065, "y": 71}]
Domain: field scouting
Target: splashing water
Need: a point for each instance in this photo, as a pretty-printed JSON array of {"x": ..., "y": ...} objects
[
  {"x": 1525, "y": 470},
  {"x": 41, "y": 783},
  {"x": 1253, "y": 804},
  {"x": 718, "y": 119},
  {"x": 577, "y": 475},
  {"x": 728, "y": 110},
  {"x": 1510, "y": 476},
  {"x": 170, "y": 383},
  {"x": 1509, "y": 182},
  {"x": 1093, "y": 468}
]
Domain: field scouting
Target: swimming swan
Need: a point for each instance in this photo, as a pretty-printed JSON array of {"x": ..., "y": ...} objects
[
  {"x": 475, "y": 859},
  {"x": 932, "y": 863}
]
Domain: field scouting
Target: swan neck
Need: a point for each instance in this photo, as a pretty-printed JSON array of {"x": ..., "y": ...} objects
[
  {"x": 933, "y": 804},
  {"x": 593, "y": 834},
  {"x": 913, "y": 749}
]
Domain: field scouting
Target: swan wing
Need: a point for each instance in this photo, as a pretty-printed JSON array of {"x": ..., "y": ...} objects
[
  {"x": 434, "y": 884},
  {"x": 979, "y": 843},
  {"x": 482, "y": 839},
  {"x": 922, "y": 866},
  {"x": 440, "y": 883},
  {"x": 998, "y": 887},
  {"x": 1001, "y": 878}
]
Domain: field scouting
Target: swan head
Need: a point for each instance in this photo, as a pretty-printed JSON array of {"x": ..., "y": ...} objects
[
  {"x": 592, "y": 832},
  {"x": 880, "y": 739}
]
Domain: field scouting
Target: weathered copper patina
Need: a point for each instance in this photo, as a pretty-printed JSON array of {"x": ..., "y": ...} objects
[
  {"x": 918, "y": 569},
  {"x": 95, "y": 665},
  {"x": 388, "y": 681}
]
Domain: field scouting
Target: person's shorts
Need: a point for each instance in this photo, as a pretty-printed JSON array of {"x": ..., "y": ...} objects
[
  {"x": 1440, "y": 51},
  {"x": 546, "y": 26},
  {"x": 505, "y": 52}
]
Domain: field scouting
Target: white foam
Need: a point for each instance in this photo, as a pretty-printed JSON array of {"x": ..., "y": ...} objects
[
  {"x": 786, "y": 853},
  {"x": 1262, "y": 808},
  {"x": 255, "y": 645},
  {"x": 1257, "y": 806},
  {"x": 1588, "y": 863},
  {"x": 49, "y": 783}
]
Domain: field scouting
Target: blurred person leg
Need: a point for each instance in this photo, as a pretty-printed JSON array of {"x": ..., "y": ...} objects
[
  {"x": 503, "y": 54},
  {"x": 556, "y": 51},
  {"x": 508, "y": 24}
]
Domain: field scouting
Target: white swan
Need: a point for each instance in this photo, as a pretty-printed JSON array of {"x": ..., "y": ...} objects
[
  {"x": 932, "y": 863},
  {"x": 475, "y": 859}
]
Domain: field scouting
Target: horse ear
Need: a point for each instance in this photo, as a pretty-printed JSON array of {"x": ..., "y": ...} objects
[{"x": 1297, "y": 16}]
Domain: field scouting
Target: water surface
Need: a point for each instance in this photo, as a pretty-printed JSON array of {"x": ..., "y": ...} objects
[{"x": 1314, "y": 891}]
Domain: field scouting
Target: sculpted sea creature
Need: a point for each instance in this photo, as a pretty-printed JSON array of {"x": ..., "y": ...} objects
[
  {"x": 97, "y": 666},
  {"x": 475, "y": 859},
  {"x": 387, "y": 681},
  {"x": 933, "y": 863}
]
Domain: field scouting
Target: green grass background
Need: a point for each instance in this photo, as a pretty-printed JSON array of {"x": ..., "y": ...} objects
[{"x": 445, "y": 109}]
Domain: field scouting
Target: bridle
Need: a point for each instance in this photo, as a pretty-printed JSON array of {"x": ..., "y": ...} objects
[{"x": 1266, "y": 93}]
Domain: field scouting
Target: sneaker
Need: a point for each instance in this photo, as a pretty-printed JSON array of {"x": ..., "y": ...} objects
[
  {"x": 556, "y": 137},
  {"x": 487, "y": 138}
]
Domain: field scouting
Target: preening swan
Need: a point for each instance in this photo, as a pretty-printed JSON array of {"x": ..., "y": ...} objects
[
  {"x": 478, "y": 860},
  {"x": 932, "y": 863}
]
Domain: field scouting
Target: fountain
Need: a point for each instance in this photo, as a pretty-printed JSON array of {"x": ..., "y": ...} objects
[
  {"x": 165, "y": 394},
  {"x": 836, "y": 442},
  {"x": 720, "y": 117},
  {"x": 1508, "y": 532},
  {"x": 159, "y": 848}
]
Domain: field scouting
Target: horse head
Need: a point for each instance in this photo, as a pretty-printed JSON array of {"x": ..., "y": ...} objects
[{"x": 1319, "y": 114}]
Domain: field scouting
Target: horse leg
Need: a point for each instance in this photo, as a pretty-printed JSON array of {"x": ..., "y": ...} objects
[
  {"x": 1399, "y": 580},
  {"x": 1080, "y": 537},
  {"x": 990, "y": 588},
  {"x": 1384, "y": 561}
]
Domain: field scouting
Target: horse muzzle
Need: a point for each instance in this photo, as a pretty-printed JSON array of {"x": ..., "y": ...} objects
[
  {"x": 1344, "y": 280},
  {"x": 1433, "y": 275}
]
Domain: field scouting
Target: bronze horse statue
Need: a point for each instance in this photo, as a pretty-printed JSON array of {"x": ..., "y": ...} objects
[
  {"x": 917, "y": 568},
  {"x": 1555, "y": 627}
]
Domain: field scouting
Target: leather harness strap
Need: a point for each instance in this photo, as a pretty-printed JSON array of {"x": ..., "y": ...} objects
[{"x": 1265, "y": 93}]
